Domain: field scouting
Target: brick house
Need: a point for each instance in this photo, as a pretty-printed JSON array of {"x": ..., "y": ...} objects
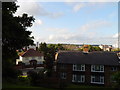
[{"x": 88, "y": 68}]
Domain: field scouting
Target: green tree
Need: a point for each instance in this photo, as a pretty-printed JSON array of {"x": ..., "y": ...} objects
[
  {"x": 44, "y": 49},
  {"x": 14, "y": 35},
  {"x": 49, "y": 54},
  {"x": 96, "y": 48},
  {"x": 116, "y": 77}
]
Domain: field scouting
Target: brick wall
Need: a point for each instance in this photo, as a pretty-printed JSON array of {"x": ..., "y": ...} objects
[{"x": 69, "y": 71}]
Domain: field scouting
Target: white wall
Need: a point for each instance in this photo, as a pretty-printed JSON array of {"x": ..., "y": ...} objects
[{"x": 39, "y": 59}]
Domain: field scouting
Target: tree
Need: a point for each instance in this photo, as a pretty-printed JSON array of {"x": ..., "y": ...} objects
[
  {"x": 14, "y": 34},
  {"x": 44, "y": 49},
  {"x": 49, "y": 54},
  {"x": 116, "y": 77}
]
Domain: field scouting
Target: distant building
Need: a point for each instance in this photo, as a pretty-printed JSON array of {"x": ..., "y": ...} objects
[
  {"x": 106, "y": 47},
  {"x": 30, "y": 60},
  {"x": 88, "y": 68}
]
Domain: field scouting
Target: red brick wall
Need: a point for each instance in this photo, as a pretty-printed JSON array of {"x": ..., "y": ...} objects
[{"x": 69, "y": 70}]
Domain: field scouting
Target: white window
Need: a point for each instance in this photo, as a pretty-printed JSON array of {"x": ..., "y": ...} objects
[
  {"x": 78, "y": 78},
  {"x": 63, "y": 75},
  {"x": 32, "y": 58},
  {"x": 113, "y": 68},
  {"x": 97, "y": 79},
  {"x": 78, "y": 67},
  {"x": 97, "y": 68}
]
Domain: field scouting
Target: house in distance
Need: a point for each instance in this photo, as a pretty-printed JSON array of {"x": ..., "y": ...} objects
[{"x": 30, "y": 60}]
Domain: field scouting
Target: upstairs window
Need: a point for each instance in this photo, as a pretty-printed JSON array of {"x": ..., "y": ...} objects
[
  {"x": 78, "y": 67},
  {"x": 97, "y": 68},
  {"x": 113, "y": 68},
  {"x": 62, "y": 66}
]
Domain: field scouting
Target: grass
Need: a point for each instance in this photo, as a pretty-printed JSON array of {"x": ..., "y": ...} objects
[
  {"x": 20, "y": 85},
  {"x": 73, "y": 86},
  {"x": 13, "y": 86}
]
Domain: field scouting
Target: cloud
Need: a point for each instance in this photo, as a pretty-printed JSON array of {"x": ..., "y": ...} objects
[
  {"x": 91, "y": 0},
  {"x": 35, "y": 9},
  {"x": 31, "y": 8},
  {"x": 38, "y": 22},
  {"x": 57, "y": 30},
  {"x": 77, "y": 7},
  {"x": 84, "y": 34},
  {"x": 95, "y": 25},
  {"x": 115, "y": 35}
]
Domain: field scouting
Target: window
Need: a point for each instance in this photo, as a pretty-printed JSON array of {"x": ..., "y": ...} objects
[
  {"x": 113, "y": 68},
  {"x": 39, "y": 58},
  {"x": 26, "y": 58},
  {"x": 62, "y": 66},
  {"x": 32, "y": 58},
  {"x": 27, "y": 63},
  {"x": 97, "y": 68},
  {"x": 78, "y": 78},
  {"x": 78, "y": 67},
  {"x": 97, "y": 79},
  {"x": 40, "y": 62},
  {"x": 63, "y": 75}
]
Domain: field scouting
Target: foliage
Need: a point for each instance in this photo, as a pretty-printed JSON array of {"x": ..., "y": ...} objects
[
  {"x": 116, "y": 49},
  {"x": 22, "y": 85},
  {"x": 80, "y": 49},
  {"x": 14, "y": 35},
  {"x": 36, "y": 78},
  {"x": 49, "y": 53},
  {"x": 116, "y": 77},
  {"x": 94, "y": 48}
]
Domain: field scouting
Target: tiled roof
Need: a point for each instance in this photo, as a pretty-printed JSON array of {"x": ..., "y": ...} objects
[
  {"x": 31, "y": 52},
  {"x": 96, "y": 57}
]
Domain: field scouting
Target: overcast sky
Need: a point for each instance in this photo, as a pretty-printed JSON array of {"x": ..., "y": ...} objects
[{"x": 73, "y": 22}]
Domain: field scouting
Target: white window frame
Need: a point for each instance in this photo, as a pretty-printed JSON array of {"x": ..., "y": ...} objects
[
  {"x": 101, "y": 79},
  {"x": 75, "y": 67},
  {"x": 63, "y": 75},
  {"x": 75, "y": 78},
  {"x": 101, "y": 68}
]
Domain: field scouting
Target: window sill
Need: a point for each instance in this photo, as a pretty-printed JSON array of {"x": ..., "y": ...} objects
[
  {"x": 98, "y": 71},
  {"x": 97, "y": 83},
  {"x": 79, "y": 70}
]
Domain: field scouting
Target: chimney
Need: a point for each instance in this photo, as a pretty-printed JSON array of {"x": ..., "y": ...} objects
[
  {"x": 37, "y": 45},
  {"x": 85, "y": 48}
]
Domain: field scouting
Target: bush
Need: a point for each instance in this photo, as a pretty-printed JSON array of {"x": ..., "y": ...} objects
[{"x": 36, "y": 78}]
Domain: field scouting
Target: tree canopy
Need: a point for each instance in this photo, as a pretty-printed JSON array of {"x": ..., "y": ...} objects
[
  {"x": 14, "y": 32},
  {"x": 49, "y": 53}
]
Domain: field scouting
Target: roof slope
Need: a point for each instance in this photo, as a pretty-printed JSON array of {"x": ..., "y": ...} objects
[
  {"x": 96, "y": 57},
  {"x": 31, "y": 53}
]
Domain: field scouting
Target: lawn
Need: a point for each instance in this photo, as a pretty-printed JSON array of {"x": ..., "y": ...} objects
[
  {"x": 73, "y": 86},
  {"x": 17, "y": 86}
]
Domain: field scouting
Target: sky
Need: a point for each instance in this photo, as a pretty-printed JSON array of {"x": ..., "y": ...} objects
[{"x": 72, "y": 22}]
